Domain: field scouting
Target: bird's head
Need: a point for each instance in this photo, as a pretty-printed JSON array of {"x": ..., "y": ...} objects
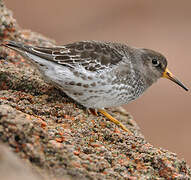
[{"x": 155, "y": 66}]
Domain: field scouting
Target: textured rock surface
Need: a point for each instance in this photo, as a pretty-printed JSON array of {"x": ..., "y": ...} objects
[
  {"x": 11, "y": 167},
  {"x": 57, "y": 136}
]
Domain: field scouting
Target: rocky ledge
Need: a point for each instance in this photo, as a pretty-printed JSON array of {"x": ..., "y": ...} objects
[{"x": 56, "y": 138}]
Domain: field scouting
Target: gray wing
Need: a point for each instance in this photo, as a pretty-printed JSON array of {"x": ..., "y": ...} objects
[{"x": 92, "y": 55}]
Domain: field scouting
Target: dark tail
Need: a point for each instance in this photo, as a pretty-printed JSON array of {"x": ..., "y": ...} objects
[
  {"x": 18, "y": 46},
  {"x": 22, "y": 48}
]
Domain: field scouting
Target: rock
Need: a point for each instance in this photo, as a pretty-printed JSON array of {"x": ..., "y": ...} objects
[
  {"x": 11, "y": 167},
  {"x": 59, "y": 138}
]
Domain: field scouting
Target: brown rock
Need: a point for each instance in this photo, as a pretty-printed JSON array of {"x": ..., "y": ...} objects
[
  {"x": 11, "y": 167},
  {"x": 47, "y": 128}
]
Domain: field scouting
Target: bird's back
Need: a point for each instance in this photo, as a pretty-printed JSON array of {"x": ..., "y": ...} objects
[{"x": 96, "y": 74}]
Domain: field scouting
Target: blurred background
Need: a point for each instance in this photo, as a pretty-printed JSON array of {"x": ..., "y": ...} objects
[{"x": 164, "y": 111}]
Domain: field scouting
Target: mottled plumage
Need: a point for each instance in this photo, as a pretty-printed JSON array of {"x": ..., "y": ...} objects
[{"x": 97, "y": 74}]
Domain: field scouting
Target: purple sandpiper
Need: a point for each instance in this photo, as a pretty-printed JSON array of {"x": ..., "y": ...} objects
[{"x": 96, "y": 74}]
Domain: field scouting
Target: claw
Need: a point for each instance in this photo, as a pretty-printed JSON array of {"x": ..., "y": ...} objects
[{"x": 92, "y": 111}]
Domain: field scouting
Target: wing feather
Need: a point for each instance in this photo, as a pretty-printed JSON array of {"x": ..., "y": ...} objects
[{"x": 92, "y": 55}]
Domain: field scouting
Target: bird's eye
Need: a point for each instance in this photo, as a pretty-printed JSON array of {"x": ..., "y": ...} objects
[{"x": 155, "y": 62}]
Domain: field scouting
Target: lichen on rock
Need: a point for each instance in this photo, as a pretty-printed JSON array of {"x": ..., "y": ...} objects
[{"x": 57, "y": 136}]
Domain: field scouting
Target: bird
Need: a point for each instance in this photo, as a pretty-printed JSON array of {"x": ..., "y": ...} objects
[{"x": 97, "y": 74}]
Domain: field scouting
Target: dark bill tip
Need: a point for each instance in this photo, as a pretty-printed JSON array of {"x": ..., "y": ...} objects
[
  {"x": 178, "y": 82},
  {"x": 167, "y": 74}
]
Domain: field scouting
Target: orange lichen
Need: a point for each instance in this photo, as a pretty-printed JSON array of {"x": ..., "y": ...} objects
[
  {"x": 76, "y": 153},
  {"x": 43, "y": 124},
  {"x": 60, "y": 140}
]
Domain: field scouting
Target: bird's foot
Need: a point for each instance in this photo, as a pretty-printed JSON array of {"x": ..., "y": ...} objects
[
  {"x": 115, "y": 121},
  {"x": 92, "y": 111}
]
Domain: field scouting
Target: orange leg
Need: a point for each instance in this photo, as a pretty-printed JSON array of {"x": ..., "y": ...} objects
[{"x": 112, "y": 119}]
